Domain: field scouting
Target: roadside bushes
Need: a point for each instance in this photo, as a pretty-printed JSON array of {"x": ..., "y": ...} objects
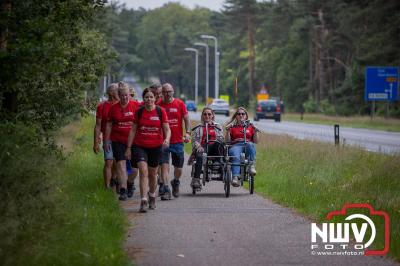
[{"x": 26, "y": 205}]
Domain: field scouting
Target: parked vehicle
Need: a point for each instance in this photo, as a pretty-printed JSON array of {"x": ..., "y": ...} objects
[
  {"x": 220, "y": 106},
  {"x": 191, "y": 106},
  {"x": 269, "y": 109}
]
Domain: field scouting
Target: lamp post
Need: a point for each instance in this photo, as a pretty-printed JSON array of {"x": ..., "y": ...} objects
[
  {"x": 204, "y": 36},
  {"x": 207, "y": 78},
  {"x": 196, "y": 76}
]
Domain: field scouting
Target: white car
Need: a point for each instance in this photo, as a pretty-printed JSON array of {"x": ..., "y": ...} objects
[{"x": 220, "y": 106}]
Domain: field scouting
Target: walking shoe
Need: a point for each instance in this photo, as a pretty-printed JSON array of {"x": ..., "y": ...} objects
[
  {"x": 175, "y": 187},
  {"x": 122, "y": 194},
  {"x": 161, "y": 189},
  {"x": 195, "y": 183},
  {"x": 131, "y": 189},
  {"x": 152, "y": 202},
  {"x": 143, "y": 205},
  {"x": 167, "y": 193},
  {"x": 253, "y": 169},
  {"x": 235, "y": 181}
]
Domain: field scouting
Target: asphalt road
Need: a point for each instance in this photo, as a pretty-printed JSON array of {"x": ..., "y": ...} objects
[
  {"x": 371, "y": 140},
  {"x": 209, "y": 229}
]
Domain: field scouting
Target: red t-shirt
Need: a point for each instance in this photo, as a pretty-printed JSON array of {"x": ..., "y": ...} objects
[
  {"x": 102, "y": 113},
  {"x": 149, "y": 132},
  {"x": 176, "y": 110},
  {"x": 122, "y": 120},
  {"x": 211, "y": 134},
  {"x": 237, "y": 134}
]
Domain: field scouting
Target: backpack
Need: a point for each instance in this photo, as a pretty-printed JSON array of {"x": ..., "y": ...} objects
[{"x": 140, "y": 112}]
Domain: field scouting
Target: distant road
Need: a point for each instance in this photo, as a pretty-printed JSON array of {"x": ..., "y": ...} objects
[{"x": 371, "y": 140}]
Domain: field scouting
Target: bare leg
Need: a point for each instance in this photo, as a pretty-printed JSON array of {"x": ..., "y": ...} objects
[
  {"x": 143, "y": 179},
  {"x": 121, "y": 167},
  {"x": 153, "y": 179},
  {"x": 177, "y": 172},
  {"x": 164, "y": 173},
  {"x": 107, "y": 172}
]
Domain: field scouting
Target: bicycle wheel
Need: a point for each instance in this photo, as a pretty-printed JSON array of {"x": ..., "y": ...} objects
[
  {"x": 227, "y": 181},
  {"x": 251, "y": 184}
]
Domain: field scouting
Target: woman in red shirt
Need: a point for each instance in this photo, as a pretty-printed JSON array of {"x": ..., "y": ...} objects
[
  {"x": 236, "y": 135},
  {"x": 119, "y": 124},
  {"x": 149, "y": 134},
  {"x": 207, "y": 129}
]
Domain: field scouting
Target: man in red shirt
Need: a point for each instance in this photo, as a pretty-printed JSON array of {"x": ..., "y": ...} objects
[
  {"x": 177, "y": 113},
  {"x": 119, "y": 124},
  {"x": 99, "y": 131}
]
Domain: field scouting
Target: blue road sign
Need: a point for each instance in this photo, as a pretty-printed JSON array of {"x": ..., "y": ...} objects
[{"x": 381, "y": 83}]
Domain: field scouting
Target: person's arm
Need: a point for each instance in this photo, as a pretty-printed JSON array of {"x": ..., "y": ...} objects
[
  {"x": 255, "y": 135},
  {"x": 186, "y": 120},
  {"x": 97, "y": 136},
  {"x": 167, "y": 134},
  {"x": 228, "y": 134},
  {"x": 106, "y": 146},
  {"x": 196, "y": 138},
  {"x": 131, "y": 137}
]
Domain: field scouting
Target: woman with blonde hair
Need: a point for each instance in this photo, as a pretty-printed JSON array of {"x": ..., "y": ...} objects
[
  {"x": 208, "y": 129},
  {"x": 243, "y": 135},
  {"x": 119, "y": 124}
]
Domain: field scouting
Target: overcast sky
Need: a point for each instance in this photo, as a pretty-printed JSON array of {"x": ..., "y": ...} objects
[{"x": 215, "y": 5}]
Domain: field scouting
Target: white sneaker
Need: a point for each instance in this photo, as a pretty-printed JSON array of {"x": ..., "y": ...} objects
[
  {"x": 235, "y": 181},
  {"x": 253, "y": 169}
]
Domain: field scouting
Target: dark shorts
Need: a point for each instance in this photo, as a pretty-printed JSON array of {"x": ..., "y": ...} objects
[
  {"x": 150, "y": 155},
  {"x": 177, "y": 154},
  {"x": 118, "y": 151}
]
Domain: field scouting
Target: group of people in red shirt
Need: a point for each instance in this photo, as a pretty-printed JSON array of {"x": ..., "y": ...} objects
[{"x": 143, "y": 136}]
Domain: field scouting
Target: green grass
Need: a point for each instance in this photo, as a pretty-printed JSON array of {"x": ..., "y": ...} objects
[
  {"x": 317, "y": 178},
  {"x": 380, "y": 123},
  {"x": 84, "y": 224}
]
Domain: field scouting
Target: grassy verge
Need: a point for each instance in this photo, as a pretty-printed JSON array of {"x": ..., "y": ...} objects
[
  {"x": 316, "y": 178},
  {"x": 380, "y": 123},
  {"x": 82, "y": 223}
]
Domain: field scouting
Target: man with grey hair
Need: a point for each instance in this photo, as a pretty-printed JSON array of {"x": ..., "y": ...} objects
[
  {"x": 177, "y": 115},
  {"x": 99, "y": 131}
]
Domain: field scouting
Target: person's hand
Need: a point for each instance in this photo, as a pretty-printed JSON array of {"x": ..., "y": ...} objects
[
  {"x": 96, "y": 148},
  {"x": 165, "y": 144},
  {"x": 186, "y": 138},
  {"x": 128, "y": 153},
  {"x": 200, "y": 149}
]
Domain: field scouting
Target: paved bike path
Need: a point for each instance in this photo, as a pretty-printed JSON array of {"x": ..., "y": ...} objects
[{"x": 209, "y": 229}]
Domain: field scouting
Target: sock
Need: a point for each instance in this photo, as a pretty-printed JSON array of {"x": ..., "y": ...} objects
[
  {"x": 144, "y": 199},
  {"x": 153, "y": 195}
]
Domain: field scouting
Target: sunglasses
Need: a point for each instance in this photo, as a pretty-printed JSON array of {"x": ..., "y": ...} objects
[
  {"x": 207, "y": 114},
  {"x": 167, "y": 92},
  {"x": 240, "y": 113}
]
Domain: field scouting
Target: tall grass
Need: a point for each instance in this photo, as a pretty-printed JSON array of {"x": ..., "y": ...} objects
[
  {"x": 317, "y": 178},
  {"x": 84, "y": 224},
  {"x": 387, "y": 124}
]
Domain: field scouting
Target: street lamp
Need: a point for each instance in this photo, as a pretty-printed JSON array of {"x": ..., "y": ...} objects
[
  {"x": 204, "y": 36},
  {"x": 196, "y": 79},
  {"x": 207, "y": 79}
]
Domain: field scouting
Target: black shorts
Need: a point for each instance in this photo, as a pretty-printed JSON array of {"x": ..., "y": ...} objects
[
  {"x": 177, "y": 154},
  {"x": 119, "y": 151},
  {"x": 150, "y": 155}
]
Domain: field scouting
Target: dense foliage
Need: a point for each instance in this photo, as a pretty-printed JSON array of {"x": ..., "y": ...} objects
[
  {"x": 51, "y": 56},
  {"x": 312, "y": 53}
]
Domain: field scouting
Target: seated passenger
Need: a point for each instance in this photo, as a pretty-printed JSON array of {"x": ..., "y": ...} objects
[
  {"x": 235, "y": 135},
  {"x": 199, "y": 138}
]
